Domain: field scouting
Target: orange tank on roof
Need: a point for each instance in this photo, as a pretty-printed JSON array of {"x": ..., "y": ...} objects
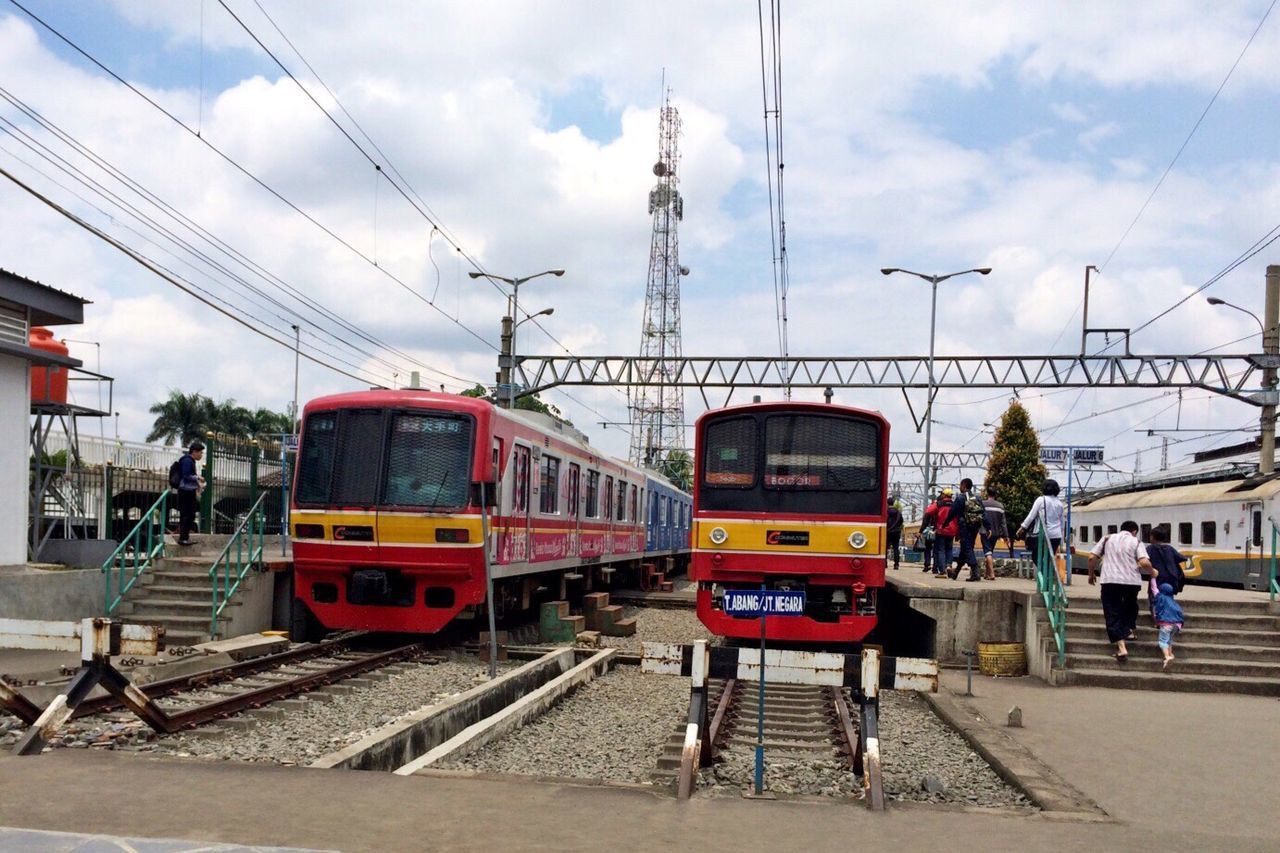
[{"x": 48, "y": 384}]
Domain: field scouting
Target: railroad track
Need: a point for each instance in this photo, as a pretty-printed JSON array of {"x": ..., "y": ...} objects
[
  {"x": 190, "y": 701},
  {"x": 803, "y": 726}
]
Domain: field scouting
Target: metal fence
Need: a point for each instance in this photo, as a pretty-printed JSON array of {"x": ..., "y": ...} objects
[{"x": 117, "y": 481}]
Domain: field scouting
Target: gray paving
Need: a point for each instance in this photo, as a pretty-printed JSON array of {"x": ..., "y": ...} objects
[{"x": 42, "y": 841}]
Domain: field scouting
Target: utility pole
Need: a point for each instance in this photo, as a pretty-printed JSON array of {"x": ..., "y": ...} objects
[
  {"x": 297, "y": 355},
  {"x": 1084, "y": 323},
  {"x": 505, "y": 394},
  {"x": 1270, "y": 347}
]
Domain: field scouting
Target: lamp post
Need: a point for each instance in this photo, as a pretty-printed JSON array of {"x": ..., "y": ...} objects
[
  {"x": 1213, "y": 300},
  {"x": 1270, "y": 346},
  {"x": 507, "y": 358},
  {"x": 297, "y": 354},
  {"x": 934, "y": 280}
]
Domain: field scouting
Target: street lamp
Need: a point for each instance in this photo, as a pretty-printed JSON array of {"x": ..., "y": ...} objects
[
  {"x": 934, "y": 280},
  {"x": 507, "y": 359},
  {"x": 1213, "y": 300},
  {"x": 545, "y": 312}
]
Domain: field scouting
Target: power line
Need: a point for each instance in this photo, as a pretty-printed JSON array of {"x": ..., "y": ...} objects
[
  {"x": 1172, "y": 163},
  {"x": 150, "y": 265},
  {"x": 307, "y": 302},
  {"x": 250, "y": 175}
]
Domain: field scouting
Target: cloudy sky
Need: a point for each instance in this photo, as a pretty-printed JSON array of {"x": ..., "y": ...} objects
[{"x": 1023, "y": 136}]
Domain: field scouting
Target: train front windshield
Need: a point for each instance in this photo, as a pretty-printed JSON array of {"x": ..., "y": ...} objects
[
  {"x": 803, "y": 463},
  {"x": 368, "y": 457}
]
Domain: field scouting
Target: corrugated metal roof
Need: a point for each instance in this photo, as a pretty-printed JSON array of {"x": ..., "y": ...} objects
[
  {"x": 51, "y": 289},
  {"x": 1182, "y": 495}
]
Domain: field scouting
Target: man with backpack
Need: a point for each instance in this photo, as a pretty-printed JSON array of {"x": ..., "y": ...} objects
[
  {"x": 184, "y": 477},
  {"x": 968, "y": 510}
]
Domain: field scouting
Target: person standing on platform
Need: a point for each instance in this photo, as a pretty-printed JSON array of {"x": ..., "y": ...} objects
[
  {"x": 929, "y": 532},
  {"x": 893, "y": 529},
  {"x": 1167, "y": 561},
  {"x": 997, "y": 529},
  {"x": 1049, "y": 513},
  {"x": 947, "y": 527},
  {"x": 189, "y": 485},
  {"x": 1124, "y": 558},
  {"x": 971, "y": 519}
]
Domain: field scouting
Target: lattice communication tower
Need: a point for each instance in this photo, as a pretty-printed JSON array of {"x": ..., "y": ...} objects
[{"x": 657, "y": 408}]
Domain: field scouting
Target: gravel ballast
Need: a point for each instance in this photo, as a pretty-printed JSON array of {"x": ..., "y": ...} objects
[
  {"x": 300, "y": 736},
  {"x": 612, "y": 728},
  {"x": 656, "y": 625},
  {"x": 915, "y": 745}
]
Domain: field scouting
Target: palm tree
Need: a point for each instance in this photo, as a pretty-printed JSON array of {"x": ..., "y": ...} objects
[
  {"x": 182, "y": 417},
  {"x": 264, "y": 423},
  {"x": 230, "y": 418}
]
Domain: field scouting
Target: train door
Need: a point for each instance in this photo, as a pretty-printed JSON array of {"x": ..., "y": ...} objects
[
  {"x": 575, "y": 508},
  {"x": 516, "y": 544},
  {"x": 1253, "y": 556},
  {"x": 606, "y": 515}
]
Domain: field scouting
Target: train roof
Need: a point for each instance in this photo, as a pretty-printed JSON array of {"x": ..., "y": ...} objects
[
  {"x": 790, "y": 405},
  {"x": 1230, "y": 491}
]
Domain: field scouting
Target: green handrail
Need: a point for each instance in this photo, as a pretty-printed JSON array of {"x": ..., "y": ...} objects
[
  {"x": 1050, "y": 587},
  {"x": 240, "y": 554},
  {"x": 131, "y": 557}
]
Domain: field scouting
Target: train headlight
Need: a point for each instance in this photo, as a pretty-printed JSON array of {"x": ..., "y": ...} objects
[
  {"x": 858, "y": 539},
  {"x": 719, "y": 535}
]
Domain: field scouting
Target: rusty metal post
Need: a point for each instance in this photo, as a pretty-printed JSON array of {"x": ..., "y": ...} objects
[{"x": 1270, "y": 347}]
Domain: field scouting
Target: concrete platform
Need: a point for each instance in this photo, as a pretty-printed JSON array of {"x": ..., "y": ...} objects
[{"x": 1172, "y": 772}]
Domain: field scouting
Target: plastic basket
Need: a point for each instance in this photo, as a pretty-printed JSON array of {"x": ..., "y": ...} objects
[{"x": 1005, "y": 659}]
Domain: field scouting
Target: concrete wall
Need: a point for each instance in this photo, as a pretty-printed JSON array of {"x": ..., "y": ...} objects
[
  {"x": 66, "y": 594},
  {"x": 254, "y": 605},
  {"x": 964, "y": 616},
  {"x": 15, "y": 406}
]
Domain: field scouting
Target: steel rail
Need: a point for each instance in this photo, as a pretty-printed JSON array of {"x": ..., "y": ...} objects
[
  {"x": 719, "y": 720},
  {"x": 272, "y": 692},
  {"x": 239, "y": 669},
  {"x": 844, "y": 725}
]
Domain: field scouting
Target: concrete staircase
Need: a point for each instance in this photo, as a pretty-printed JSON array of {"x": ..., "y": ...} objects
[
  {"x": 1227, "y": 647},
  {"x": 176, "y": 593}
]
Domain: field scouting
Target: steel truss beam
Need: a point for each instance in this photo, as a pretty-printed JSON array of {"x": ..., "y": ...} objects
[
  {"x": 1236, "y": 376},
  {"x": 941, "y": 459}
]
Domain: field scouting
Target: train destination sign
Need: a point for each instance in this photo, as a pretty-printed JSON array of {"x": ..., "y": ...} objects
[{"x": 764, "y": 602}]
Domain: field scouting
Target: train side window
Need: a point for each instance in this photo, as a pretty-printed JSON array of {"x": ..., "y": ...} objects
[
  {"x": 1144, "y": 532},
  {"x": 593, "y": 494},
  {"x": 549, "y": 485},
  {"x": 620, "y": 506},
  {"x": 631, "y": 506},
  {"x": 1208, "y": 533},
  {"x": 1184, "y": 533},
  {"x": 575, "y": 476},
  {"x": 606, "y": 502},
  {"x": 1097, "y": 532},
  {"x": 1257, "y": 528},
  {"x": 1111, "y": 528},
  {"x": 1084, "y": 533}
]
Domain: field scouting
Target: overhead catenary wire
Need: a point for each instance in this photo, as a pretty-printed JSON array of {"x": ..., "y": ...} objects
[
  {"x": 156, "y": 269},
  {"x": 307, "y": 302},
  {"x": 1169, "y": 168},
  {"x": 399, "y": 182}
]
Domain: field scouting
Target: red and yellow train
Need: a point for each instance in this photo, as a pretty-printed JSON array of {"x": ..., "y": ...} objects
[
  {"x": 388, "y": 499},
  {"x": 791, "y": 496}
]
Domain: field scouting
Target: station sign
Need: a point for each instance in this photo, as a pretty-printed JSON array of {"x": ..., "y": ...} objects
[
  {"x": 764, "y": 602},
  {"x": 1076, "y": 455},
  {"x": 290, "y": 442}
]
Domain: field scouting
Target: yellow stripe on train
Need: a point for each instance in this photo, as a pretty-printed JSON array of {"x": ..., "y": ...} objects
[
  {"x": 788, "y": 537},
  {"x": 393, "y": 529}
]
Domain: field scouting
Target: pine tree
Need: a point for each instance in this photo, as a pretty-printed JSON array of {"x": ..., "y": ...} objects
[{"x": 1014, "y": 471}]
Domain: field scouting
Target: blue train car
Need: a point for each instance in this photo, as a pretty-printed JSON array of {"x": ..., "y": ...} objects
[{"x": 669, "y": 521}]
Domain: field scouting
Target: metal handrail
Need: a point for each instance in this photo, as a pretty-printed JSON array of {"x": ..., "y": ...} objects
[
  {"x": 131, "y": 557},
  {"x": 1050, "y": 587},
  {"x": 228, "y": 570}
]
